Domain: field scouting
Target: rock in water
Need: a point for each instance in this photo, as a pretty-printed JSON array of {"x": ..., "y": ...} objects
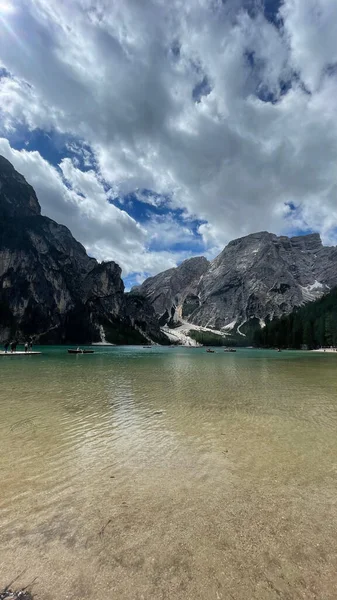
[
  {"x": 50, "y": 288},
  {"x": 9, "y": 594},
  {"x": 258, "y": 276}
]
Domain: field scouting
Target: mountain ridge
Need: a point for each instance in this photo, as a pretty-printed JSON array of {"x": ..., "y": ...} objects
[
  {"x": 50, "y": 288},
  {"x": 258, "y": 276}
]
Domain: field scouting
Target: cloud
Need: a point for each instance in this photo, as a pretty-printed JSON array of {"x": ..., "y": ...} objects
[
  {"x": 83, "y": 200},
  {"x": 106, "y": 231},
  {"x": 219, "y": 111},
  {"x": 166, "y": 231},
  {"x": 311, "y": 28}
]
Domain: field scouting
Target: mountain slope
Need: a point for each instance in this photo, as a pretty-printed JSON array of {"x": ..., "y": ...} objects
[
  {"x": 50, "y": 288},
  {"x": 171, "y": 291},
  {"x": 259, "y": 276},
  {"x": 313, "y": 325}
]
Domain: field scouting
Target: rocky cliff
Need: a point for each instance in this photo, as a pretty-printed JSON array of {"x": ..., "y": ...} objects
[
  {"x": 51, "y": 289},
  {"x": 255, "y": 277},
  {"x": 171, "y": 291}
]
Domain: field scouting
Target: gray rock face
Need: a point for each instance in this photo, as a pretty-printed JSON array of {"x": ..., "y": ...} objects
[
  {"x": 168, "y": 291},
  {"x": 50, "y": 288},
  {"x": 18, "y": 198},
  {"x": 258, "y": 276}
]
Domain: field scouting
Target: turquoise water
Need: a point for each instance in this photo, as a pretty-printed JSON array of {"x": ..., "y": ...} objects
[{"x": 169, "y": 473}]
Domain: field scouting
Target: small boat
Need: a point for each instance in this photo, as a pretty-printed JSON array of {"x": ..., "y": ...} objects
[
  {"x": 147, "y": 346},
  {"x": 79, "y": 351},
  {"x": 210, "y": 351},
  {"x": 229, "y": 350}
]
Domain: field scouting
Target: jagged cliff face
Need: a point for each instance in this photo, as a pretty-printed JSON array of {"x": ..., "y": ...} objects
[
  {"x": 17, "y": 197},
  {"x": 172, "y": 291},
  {"x": 50, "y": 288},
  {"x": 258, "y": 276}
]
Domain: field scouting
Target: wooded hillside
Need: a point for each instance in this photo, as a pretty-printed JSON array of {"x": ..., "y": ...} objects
[{"x": 313, "y": 325}]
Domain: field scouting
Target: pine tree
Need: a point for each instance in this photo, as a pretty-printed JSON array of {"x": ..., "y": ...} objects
[
  {"x": 334, "y": 328},
  {"x": 319, "y": 331},
  {"x": 328, "y": 330},
  {"x": 308, "y": 335},
  {"x": 314, "y": 324}
]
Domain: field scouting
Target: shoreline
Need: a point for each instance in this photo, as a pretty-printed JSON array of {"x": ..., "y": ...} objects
[{"x": 330, "y": 350}]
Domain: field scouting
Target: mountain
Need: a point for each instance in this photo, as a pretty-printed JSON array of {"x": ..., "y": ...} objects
[
  {"x": 259, "y": 276},
  {"x": 172, "y": 291},
  {"x": 51, "y": 289}
]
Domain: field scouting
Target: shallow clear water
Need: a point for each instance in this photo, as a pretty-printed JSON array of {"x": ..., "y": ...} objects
[{"x": 169, "y": 474}]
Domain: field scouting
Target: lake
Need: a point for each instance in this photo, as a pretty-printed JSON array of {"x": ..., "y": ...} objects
[{"x": 169, "y": 473}]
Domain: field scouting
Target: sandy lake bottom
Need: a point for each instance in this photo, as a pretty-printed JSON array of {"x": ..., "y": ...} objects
[{"x": 169, "y": 474}]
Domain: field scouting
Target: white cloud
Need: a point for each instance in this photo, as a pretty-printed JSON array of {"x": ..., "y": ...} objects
[
  {"x": 165, "y": 231},
  {"x": 106, "y": 231},
  {"x": 311, "y": 27},
  {"x": 121, "y": 75}
]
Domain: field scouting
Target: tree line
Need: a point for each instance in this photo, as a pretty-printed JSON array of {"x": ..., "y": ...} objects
[{"x": 313, "y": 325}]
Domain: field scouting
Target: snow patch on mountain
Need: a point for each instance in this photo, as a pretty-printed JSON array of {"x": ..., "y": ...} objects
[
  {"x": 313, "y": 291},
  {"x": 230, "y": 326},
  {"x": 238, "y": 329},
  {"x": 179, "y": 335}
]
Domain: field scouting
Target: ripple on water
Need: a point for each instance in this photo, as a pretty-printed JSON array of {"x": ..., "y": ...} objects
[{"x": 174, "y": 474}]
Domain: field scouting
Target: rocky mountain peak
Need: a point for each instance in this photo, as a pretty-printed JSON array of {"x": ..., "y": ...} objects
[
  {"x": 258, "y": 276},
  {"x": 51, "y": 289},
  {"x": 17, "y": 197},
  {"x": 252, "y": 238},
  {"x": 168, "y": 290},
  {"x": 311, "y": 241}
]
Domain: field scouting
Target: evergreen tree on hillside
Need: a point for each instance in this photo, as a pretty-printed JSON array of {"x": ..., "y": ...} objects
[
  {"x": 319, "y": 331},
  {"x": 313, "y": 325},
  {"x": 334, "y": 327},
  {"x": 308, "y": 335},
  {"x": 328, "y": 329}
]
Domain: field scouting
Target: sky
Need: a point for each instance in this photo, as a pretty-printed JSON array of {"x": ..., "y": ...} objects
[{"x": 161, "y": 130}]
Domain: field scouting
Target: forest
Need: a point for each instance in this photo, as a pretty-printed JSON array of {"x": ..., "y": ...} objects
[{"x": 312, "y": 326}]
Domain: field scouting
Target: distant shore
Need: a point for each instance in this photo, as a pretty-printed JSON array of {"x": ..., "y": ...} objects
[{"x": 325, "y": 350}]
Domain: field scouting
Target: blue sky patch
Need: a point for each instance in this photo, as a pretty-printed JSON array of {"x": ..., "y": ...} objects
[
  {"x": 163, "y": 217},
  {"x": 4, "y": 73},
  {"x": 270, "y": 9},
  {"x": 52, "y": 145},
  {"x": 261, "y": 89},
  {"x": 203, "y": 88}
]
